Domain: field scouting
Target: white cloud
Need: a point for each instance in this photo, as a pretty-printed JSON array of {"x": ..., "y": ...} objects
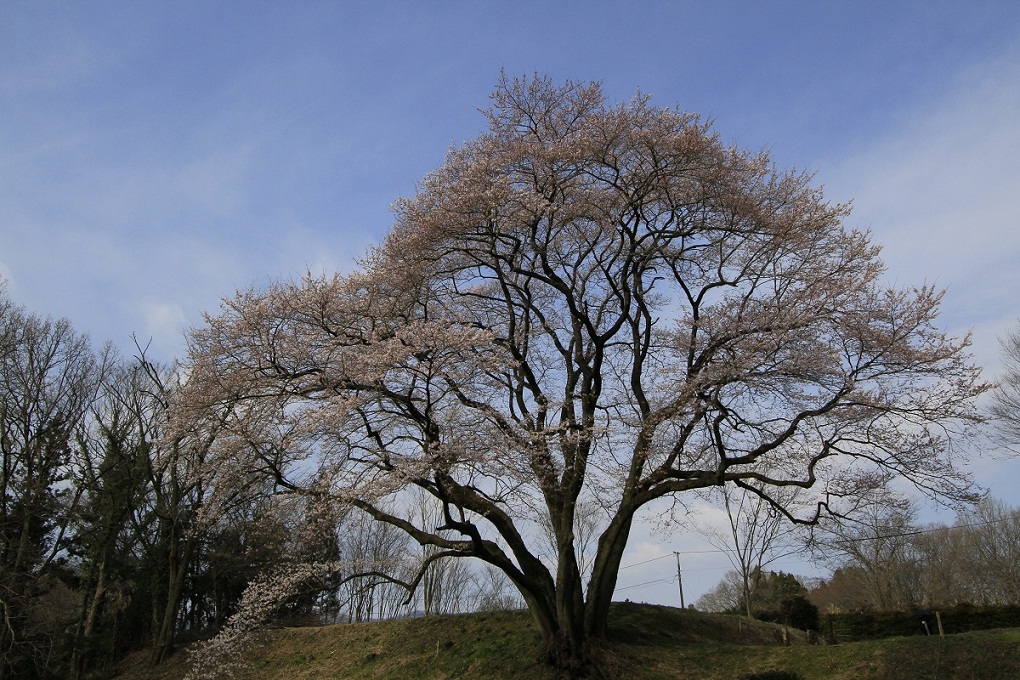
[
  {"x": 941, "y": 198},
  {"x": 163, "y": 320}
]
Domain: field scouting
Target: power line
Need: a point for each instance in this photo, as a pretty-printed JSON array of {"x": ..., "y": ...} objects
[
  {"x": 904, "y": 534},
  {"x": 638, "y": 564},
  {"x": 930, "y": 530},
  {"x": 682, "y": 552},
  {"x": 646, "y": 583}
]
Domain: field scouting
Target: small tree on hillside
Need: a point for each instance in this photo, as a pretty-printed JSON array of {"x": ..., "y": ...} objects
[
  {"x": 726, "y": 598},
  {"x": 596, "y": 301},
  {"x": 757, "y": 534}
]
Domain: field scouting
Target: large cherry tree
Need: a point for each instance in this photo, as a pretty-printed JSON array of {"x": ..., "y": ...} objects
[{"x": 590, "y": 305}]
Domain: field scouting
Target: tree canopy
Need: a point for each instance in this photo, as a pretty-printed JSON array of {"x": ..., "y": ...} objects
[{"x": 589, "y": 303}]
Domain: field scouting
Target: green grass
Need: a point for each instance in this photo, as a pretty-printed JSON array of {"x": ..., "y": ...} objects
[{"x": 646, "y": 642}]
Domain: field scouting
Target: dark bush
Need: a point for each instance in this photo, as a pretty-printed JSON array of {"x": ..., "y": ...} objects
[
  {"x": 774, "y": 675},
  {"x": 798, "y": 612},
  {"x": 959, "y": 619}
]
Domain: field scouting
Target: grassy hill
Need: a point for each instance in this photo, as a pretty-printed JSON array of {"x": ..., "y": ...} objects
[{"x": 647, "y": 642}]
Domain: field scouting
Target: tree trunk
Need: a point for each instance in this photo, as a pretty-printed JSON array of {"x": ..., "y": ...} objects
[
  {"x": 178, "y": 570},
  {"x": 572, "y": 627},
  {"x": 562, "y": 631},
  {"x": 605, "y": 573},
  {"x": 81, "y": 658},
  {"x": 571, "y": 651}
]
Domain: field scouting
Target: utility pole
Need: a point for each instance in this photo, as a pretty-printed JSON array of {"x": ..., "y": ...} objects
[{"x": 680, "y": 580}]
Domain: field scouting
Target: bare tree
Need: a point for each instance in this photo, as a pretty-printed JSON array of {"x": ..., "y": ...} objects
[
  {"x": 945, "y": 568},
  {"x": 992, "y": 539},
  {"x": 888, "y": 562},
  {"x": 178, "y": 481},
  {"x": 445, "y": 582},
  {"x": 49, "y": 374},
  {"x": 374, "y": 548},
  {"x": 111, "y": 469},
  {"x": 758, "y": 534},
  {"x": 1006, "y": 397},
  {"x": 591, "y": 299},
  {"x": 729, "y": 595},
  {"x": 875, "y": 548},
  {"x": 493, "y": 591}
]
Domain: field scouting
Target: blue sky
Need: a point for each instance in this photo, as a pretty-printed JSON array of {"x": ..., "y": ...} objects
[{"x": 155, "y": 156}]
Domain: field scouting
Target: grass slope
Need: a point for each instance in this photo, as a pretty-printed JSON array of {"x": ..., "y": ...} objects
[{"x": 646, "y": 642}]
